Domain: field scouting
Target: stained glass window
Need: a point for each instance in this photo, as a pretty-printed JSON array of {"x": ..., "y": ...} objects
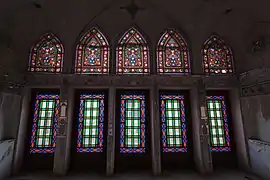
[
  {"x": 46, "y": 115},
  {"x": 92, "y": 53},
  {"x": 91, "y": 123},
  {"x": 218, "y": 124},
  {"x": 47, "y": 55},
  {"x": 132, "y": 124},
  {"x": 173, "y": 123},
  {"x": 172, "y": 54},
  {"x": 217, "y": 56},
  {"x": 132, "y": 54}
]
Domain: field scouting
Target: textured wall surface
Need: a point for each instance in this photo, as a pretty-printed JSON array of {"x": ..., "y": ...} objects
[{"x": 10, "y": 110}]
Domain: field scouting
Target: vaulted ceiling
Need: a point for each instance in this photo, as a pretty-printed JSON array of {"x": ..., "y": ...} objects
[{"x": 239, "y": 22}]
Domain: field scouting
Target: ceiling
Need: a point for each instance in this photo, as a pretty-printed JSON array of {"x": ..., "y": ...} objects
[{"x": 239, "y": 22}]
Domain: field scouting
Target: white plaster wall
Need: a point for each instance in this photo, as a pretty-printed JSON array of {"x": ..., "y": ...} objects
[
  {"x": 6, "y": 155},
  {"x": 257, "y": 116}
]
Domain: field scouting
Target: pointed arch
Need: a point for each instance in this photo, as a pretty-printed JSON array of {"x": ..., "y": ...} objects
[
  {"x": 132, "y": 53},
  {"x": 217, "y": 56},
  {"x": 172, "y": 54},
  {"x": 46, "y": 55},
  {"x": 92, "y": 53}
]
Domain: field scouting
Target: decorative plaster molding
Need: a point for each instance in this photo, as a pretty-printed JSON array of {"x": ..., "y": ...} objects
[
  {"x": 75, "y": 80},
  {"x": 260, "y": 145},
  {"x": 255, "y": 76},
  {"x": 255, "y": 82}
]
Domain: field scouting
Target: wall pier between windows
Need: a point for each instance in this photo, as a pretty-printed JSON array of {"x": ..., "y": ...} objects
[
  {"x": 62, "y": 151},
  {"x": 111, "y": 133},
  {"x": 155, "y": 132},
  {"x": 195, "y": 115},
  {"x": 204, "y": 128}
]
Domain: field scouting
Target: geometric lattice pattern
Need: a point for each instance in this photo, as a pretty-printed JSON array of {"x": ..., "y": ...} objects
[
  {"x": 172, "y": 54},
  {"x": 92, "y": 54},
  {"x": 132, "y": 54},
  {"x": 46, "y": 55},
  {"x": 91, "y": 123},
  {"x": 132, "y": 124},
  {"x": 218, "y": 124},
  {"x": 217, "y": 56},
  {"x": 173, "y": 123},
  {"x": 46, "y": 115}
]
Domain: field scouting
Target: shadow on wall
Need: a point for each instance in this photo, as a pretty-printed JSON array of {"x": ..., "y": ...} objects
[
  {"x": 257, "y": 124},
  {"x": 260, "y": 157},
  {"x": 263, "y": 119},
  {"x": 6, "y": 154}
]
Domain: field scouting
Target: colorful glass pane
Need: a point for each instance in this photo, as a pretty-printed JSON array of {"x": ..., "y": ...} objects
[
  {"x": 46, "y": 115},
  {"x": 218, "y": 124},
  {"x": 173, "y": 123},
  {"x": 92, "y": 54},
  {"x": 132, "y": 124},
  {"x": 217, "y": 56},
  {"x": 172, "y": 54},
  {"x": 91, "y": 123},
  {"x": 132, "y": 54},
  {"x": 47, "y": 55}
]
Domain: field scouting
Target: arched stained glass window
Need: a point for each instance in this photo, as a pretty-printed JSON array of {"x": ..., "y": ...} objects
[
  {"x": 217, "y": 56},
  {"x": 92, "y": 54},
  {"x": 132, "y": 54},
  {"x": 172, "y": 54},
  {"x": 47, "y": 55}
]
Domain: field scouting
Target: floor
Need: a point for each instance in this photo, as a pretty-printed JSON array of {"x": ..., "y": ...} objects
[{"x": 226, "y": 175}]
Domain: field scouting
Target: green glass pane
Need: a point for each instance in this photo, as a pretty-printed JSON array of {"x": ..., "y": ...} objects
[
  {"x": 173, "y": 123},
  {"x": 132, "y": 123},
  {"x": 91, "y": 122},
  {"x": 216, "y": 123},
  {"x": 45, "y": 122}
]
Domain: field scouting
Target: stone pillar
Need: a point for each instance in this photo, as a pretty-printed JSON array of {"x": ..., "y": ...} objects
[
  {"x": 22, "y": 131},
  {"x": 111, "y": 133},
  {"x": 70, "y": 111},
  {"x": 155, "y": 131},
  {"x": 204, "y": 129},
  {"x": 61, "y": 140},
  {"x": 195, "y": 116},
  {"x": 238, "y": 129}
]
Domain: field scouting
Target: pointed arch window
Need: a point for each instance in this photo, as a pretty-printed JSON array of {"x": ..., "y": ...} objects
[
  {"x": 47, "y": 55},
  {"x": 92, "y": 53},
  {"x": 132, "y": 54},
  {"x": 217, "y": 56},
  {"x": 172, "y": 54}
]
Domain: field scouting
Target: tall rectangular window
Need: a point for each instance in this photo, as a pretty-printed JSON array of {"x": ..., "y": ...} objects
[
  {"x": 91, "y": 123},
  {"x": 173, "y": 123},
  {"x": 46, "y": 115},
  {"x": 132, "y": 124},
  {"x": 218, "y": 124}
]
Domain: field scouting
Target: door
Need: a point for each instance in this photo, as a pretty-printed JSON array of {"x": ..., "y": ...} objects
[
  {"x": 89, "y": 131},
  {"x": 175, "y": 126},
  {"x": 42, "y": 125},
  {"x": 133, "y": 149},
  {"x": 220, "y": 126}
]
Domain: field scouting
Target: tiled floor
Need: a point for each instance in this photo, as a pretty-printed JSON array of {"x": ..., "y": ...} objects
[{"x": 226, "y": 175}]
